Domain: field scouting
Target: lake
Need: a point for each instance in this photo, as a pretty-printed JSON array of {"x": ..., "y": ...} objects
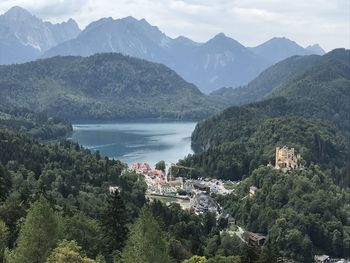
[{"x": 137, "y": 141}]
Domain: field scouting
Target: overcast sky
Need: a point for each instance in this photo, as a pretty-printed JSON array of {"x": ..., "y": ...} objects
[{"x": 251, "y": 22}]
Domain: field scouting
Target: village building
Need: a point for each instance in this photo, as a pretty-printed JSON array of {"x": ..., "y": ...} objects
[
  {"x": 286, "y": 159},
  {"x": 142, "y": 168},
  {"x": 112, "y": 189},
  {"x": 156, "y": 173},
  {"x": 202, "y": 202},
  {"x": 252, "y": 190},
  {"x": 200, "y": 186},
  {"x": 177, "y": 183},
  {"x": 322, "y": 258},
  {"x": 256, "y": 239}
]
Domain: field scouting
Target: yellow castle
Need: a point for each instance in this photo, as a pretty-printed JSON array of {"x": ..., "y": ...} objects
[{"x": 286, "y": 159}]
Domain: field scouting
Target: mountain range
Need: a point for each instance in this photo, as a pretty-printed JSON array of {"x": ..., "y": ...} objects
[
  {"x": 24, "y": 37},
  {"x": 219, "y": 62}
]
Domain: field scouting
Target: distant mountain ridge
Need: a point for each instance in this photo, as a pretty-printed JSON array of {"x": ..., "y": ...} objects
[
  {"x": 209, "y": 65},
  {"x": 316, "y": 49},
  {"x": 268, "y": 80},
  {"x": 280, "y": 48},
  {"x": 24, "y": 37},
  {"x": 219, "y": 62},
  {"x": 275, "y": 77}
]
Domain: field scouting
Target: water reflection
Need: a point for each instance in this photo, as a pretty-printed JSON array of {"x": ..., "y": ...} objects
[{"x": 137, "y": 141}]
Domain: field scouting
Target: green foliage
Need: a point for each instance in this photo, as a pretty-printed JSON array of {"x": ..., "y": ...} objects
[
  {"x": 74, "y": 180},
  {"x": 38, "y": 235},
  {"x": 11, "y": 210},
  {"x": 221, "y": 259},
  {"x": 3, "y": 240},
  {"x": 5, "y": 183},
  {"x": 236, "y": 150},
  {"x": 308, "y": 112},
  {"x": 322, "y": 92},
  {"x": 146, "y": 242},
  {"x": 307, "y": 108},
  {"x": 301, "y": 211},
  {"x": 85, "y": 231},
  {"x": 133, "y": 188},
  {"x": 68, "y": 174},
  {"x": 192, "y": 234},
  {"x": 102, "y": 86},
  {"x": 36, "y": 125},
  {"x": 68, "y": 251},
  {"x": 268, "y": 80},
  {"x": 196, "y": 259},
  {"x": 114, "y": 222},
  {"x": 286, "y": 72}
]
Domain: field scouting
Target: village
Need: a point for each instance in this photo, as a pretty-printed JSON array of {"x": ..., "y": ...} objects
[
  {"x": 188, "y": 193},
  {"x": 196, "y": 194}
]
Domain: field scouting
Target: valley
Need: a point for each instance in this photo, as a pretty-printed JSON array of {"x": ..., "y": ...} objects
[{"x": 122, "y": 144}]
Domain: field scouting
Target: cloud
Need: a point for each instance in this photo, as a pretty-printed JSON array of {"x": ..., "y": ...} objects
[{"x": 248, "y": 21}]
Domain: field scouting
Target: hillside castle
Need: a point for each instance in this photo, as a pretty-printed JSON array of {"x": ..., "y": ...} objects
[{"x": 286, "y": 159}]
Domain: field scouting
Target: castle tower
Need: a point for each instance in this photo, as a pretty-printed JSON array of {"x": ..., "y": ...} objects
[{"x": 286, "y": 159}]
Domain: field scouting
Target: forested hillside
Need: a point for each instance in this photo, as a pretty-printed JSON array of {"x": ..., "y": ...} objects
[
  {"x": 103, "y": 86},
  {"x": 305, "y": 211},
  {"x": 73, "y": 180},
  {"x": 310, "y": 113},
  {"x": 239, "y": 149},
  {"x": 284, "y": 73},
  {"x": 56, "y": 206}
]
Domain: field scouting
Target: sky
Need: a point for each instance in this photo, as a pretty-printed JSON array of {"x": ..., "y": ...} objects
[{"x": 250, "y": 22}]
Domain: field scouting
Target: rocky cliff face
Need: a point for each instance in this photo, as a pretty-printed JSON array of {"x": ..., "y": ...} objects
[{"x": 34, "y": 32}]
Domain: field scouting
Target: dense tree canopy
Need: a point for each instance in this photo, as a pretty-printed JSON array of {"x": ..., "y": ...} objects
[
  {"x": 38, "y": 234},
  {"x": 146, "y": 242},
  {"x": 37, "y": 125},
  {"x": 74, "y": 181},
  {"x": 301, "y": 212},
  {"x": 308, "y": 112},
  {"x": 253, "y": 144}
]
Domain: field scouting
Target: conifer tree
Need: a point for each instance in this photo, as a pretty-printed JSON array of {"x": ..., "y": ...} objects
[
  {"x": 114, "y": 223},
  {"x": 38, "y": 234},
  {"x": 146, "y": 242},
  {"x": 3, "y": 240},
  {"x": 5, "y": 183}
]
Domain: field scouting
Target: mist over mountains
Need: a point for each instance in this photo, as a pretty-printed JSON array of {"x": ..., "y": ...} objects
[{"x": 219, "y": 62}]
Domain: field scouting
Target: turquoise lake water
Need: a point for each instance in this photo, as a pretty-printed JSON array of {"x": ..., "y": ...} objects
[{"x": 137, "y": 141}]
